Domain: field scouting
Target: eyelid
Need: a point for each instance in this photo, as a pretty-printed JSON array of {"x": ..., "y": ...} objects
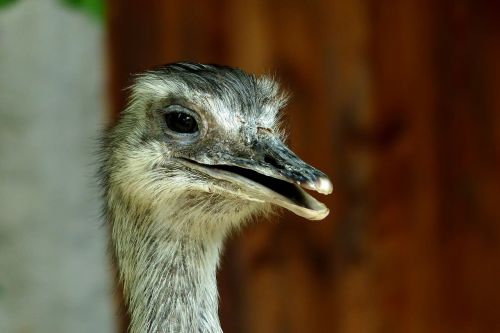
[
  {"x": 177, "y": 107},
  {"x": 181, "y": 108}
]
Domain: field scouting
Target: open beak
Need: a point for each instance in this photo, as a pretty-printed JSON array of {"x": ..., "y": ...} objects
[{"x": 271, "y": 172}]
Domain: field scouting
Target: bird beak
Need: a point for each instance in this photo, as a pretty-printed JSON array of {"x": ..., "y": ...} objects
[{"x": 270, "y": 172}]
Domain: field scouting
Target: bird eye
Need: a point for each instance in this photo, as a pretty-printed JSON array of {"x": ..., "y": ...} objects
[{"x": 181, "y": 122}]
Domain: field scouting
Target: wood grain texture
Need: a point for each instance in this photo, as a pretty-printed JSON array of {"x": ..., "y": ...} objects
[{"x": 398, "y": 102}]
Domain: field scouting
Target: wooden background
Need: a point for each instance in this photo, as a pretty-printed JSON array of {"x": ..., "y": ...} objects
[{"x": 398, "y": 101}]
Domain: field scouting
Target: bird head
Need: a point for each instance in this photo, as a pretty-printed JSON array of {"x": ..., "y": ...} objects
[{"x": 210, "y": 135}]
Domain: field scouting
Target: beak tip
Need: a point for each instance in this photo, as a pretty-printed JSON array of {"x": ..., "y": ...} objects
[{"x": 323, "y": 185}]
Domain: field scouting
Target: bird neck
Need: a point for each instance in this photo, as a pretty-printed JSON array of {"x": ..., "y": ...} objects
[{"x": 169, "y": 276}]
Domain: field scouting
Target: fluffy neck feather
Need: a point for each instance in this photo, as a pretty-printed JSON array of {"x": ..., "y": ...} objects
[
  {"x": 170, "y": 282},
  {"x": 168, "y": 259}
]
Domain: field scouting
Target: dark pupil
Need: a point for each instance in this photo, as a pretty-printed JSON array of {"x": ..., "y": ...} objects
[{"x": 181, "y": 122}]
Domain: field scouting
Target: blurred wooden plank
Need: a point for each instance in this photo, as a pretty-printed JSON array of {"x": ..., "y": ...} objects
[
  {"x": 404, "y": 214},
  {"x": 429, "y": 74},
  {"x": 469, "y": 231}
]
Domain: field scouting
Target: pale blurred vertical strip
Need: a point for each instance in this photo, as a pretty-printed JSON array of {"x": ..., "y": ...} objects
[{"x": 54, "y": 268}]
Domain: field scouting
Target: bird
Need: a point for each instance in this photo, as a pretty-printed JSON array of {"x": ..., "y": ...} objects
[{"x": 196, "y": 154}]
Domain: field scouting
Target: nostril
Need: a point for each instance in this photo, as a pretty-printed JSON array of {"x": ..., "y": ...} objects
[{"x": 271, "y": 160}]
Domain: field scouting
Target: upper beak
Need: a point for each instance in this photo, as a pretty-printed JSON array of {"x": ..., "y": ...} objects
[
  {"x": 270, "y": 171},
  {"x": 276, "y": 160}
]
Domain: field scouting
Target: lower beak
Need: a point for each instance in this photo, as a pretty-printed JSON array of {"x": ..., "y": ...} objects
[{"x": 272, "y": 173}]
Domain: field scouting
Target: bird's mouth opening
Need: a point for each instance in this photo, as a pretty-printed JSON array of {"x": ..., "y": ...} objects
[
  {"x": 266, "y": 188},
  {"x": 286, "y": 189}
]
